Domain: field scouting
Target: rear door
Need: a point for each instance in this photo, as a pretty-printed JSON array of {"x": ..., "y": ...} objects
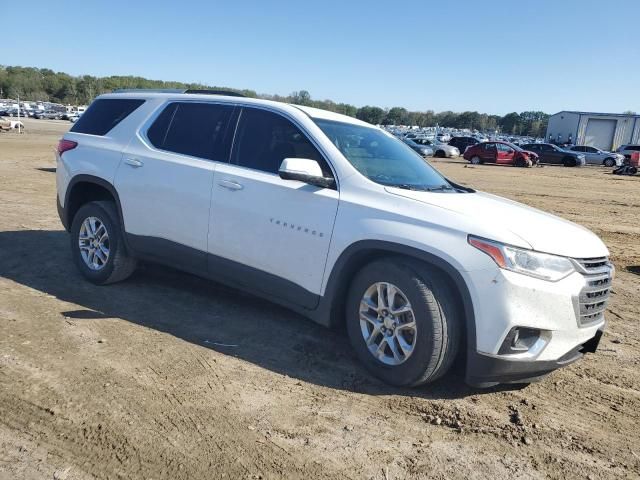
[
  {"x": 489, "y": 152},
  {"x": 269, "y": 234},
  {"x": 165, "y": 181},
  {"x": 548, "y": 154}
]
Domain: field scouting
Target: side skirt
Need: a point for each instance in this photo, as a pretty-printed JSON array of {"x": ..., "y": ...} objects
[{"x": 251, "y": 280}]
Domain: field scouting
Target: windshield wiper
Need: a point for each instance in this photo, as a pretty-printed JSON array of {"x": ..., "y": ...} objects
[
  {"x": 408, "y": 186},
  {"x": 440, "y": 188}
]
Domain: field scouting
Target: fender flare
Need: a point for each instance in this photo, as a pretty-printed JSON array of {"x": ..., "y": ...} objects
[
  {"x": 329, "y": 311},
  {"x": 101, "y": 182}
]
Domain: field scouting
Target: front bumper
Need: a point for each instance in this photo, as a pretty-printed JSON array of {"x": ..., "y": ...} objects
[
  {"x": 567, "y": 314},
  {"x": 488, "y": 370}
]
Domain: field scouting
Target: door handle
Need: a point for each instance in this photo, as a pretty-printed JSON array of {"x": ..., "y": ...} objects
[
  {"x": 133, "y": 162},
  {"x": 230, "y": 185}
]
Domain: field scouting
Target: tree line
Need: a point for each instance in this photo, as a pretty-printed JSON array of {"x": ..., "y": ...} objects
[{"x": 43, "y": 84}]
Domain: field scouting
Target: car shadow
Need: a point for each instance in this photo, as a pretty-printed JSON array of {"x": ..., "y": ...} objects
[
  {"x": 47, "y": 169},
  {"x": 204, "y": 313},
  {"x": 635, "y": 269}
]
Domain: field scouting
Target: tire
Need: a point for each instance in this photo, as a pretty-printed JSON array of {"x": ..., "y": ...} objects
[
  {"x": 523, "y": 163},
  {"x": 437, "y": 333},
  {"x": 609, "y": 162},
  {"x": 475, "y": 160},
  {"x": 119, "y": 265},
  {"x": 633, "y": 170},
  {"x": 440, "y": 154},
  {"x": 569, "y": 162}
]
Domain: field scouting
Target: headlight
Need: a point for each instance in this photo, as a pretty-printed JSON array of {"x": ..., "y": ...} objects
[{"x": 527, "y": 262}]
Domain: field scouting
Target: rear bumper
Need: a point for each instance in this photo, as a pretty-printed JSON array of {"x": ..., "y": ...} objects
[
  {"x": 488, "y": 370},
  {"x": 62, "y": 214}
]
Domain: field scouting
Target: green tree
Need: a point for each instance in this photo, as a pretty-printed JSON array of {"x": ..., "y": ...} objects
[{"x": 373, "y": 115}]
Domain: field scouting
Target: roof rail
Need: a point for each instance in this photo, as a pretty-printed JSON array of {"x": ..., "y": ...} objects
[
  {"x": 228, "y": 93},
  {"x": 149, "y": 90}
]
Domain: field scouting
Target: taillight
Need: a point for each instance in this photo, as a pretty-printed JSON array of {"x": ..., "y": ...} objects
[{"x": 65, "y": 145}]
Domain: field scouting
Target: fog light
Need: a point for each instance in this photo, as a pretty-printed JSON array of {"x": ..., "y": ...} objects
[{"x": 519, "y": 340}]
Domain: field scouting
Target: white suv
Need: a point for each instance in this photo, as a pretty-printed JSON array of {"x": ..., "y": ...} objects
[{"x": 337, "y": 220}]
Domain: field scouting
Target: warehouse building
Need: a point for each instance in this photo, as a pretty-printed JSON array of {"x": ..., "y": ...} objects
[{"x": 602, "y": 130}]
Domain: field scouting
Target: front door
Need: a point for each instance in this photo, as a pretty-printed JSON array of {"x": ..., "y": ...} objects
[
  {"x": 504, "y": 154},
  {"x": 266, "y": 233}
]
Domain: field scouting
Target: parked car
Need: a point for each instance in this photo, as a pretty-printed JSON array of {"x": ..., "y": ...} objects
[
  {"x": 440, "y": 149},
  {"x": 595, "y": 156},
  {"x": 461, "y": 143},
  {"x": 337, "y": 220},
  {"x": 553, "y": 154},
  {"x": 627, "y": 150},
  {"x": 48, "y": 115},
  {"x": 501, "y": 153},
  {"x": 8, "y": 124},
  {"x": 422, "y": 150}
]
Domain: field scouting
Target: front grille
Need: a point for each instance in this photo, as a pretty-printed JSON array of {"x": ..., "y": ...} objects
[{"x": 594, "y": 296}]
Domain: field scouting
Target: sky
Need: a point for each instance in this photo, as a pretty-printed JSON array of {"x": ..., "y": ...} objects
[{"x": 492, "y": 56}]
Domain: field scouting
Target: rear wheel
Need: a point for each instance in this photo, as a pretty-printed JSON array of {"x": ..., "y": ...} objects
[
  {"x": 569, "y": 162},
  {"x": 440, "y": 154},
  {"x": 609, "y": 162},
  {"x": 97, "y": 244},
  {"x": 403, "y": 322},
  {"x": 475, "y": 160}
]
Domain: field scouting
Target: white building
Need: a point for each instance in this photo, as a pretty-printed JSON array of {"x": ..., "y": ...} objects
[{"x": 602, "y": 130}]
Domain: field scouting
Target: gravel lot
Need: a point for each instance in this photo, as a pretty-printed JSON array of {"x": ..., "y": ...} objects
[{"x": 170, "y": 376}]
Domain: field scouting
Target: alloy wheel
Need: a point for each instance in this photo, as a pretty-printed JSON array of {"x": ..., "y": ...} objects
[
  {"x": 387, "y": 323},
  {"x": 93, "y": 241}
]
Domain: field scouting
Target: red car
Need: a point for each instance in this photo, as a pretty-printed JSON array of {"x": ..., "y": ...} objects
[{"x": 502, "y": 153}]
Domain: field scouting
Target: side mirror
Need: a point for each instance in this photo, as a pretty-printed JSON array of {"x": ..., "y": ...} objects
[{"x": 304, "y": 170}]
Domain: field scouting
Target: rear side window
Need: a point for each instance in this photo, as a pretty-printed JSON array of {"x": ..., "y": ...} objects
[
  {"x": 102, "y": 115},
  {"x": 196, "y": 129}
]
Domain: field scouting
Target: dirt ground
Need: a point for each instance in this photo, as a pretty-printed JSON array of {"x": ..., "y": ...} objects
[{"x": 170, "y": 376}]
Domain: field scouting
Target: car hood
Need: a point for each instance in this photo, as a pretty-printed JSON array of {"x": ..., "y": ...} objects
[{"x": 540, "y": 230}]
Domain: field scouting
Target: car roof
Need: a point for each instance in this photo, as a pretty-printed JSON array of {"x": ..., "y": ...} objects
[{"x": 315, "y": 113}]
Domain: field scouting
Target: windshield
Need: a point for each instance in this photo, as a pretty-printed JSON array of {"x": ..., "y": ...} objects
[
  {"x": 382, "y": 158},
  {"x": 515, "y": 147}
]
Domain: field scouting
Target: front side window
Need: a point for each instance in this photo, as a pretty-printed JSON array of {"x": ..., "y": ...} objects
[
  {"x": 382, "y": 158},
  {"x": 264, "y": 139},
  {"x": 189, "y": 128}
]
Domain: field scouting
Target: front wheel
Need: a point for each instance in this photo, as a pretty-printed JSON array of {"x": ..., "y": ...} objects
[
  {"x": 569, "y": 162},
  {"x": 609, "y": 162},
  {"x": 403, "y": 322},
  {"x": 476, "y": 160},
  {"x": 97, "y": 244}
]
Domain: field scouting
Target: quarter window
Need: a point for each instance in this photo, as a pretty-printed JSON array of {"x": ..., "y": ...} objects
[
  {"x": 263, "y": 139},
  {"x": 189, "y": 128},
  {"x": 104, "y": 114}
]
